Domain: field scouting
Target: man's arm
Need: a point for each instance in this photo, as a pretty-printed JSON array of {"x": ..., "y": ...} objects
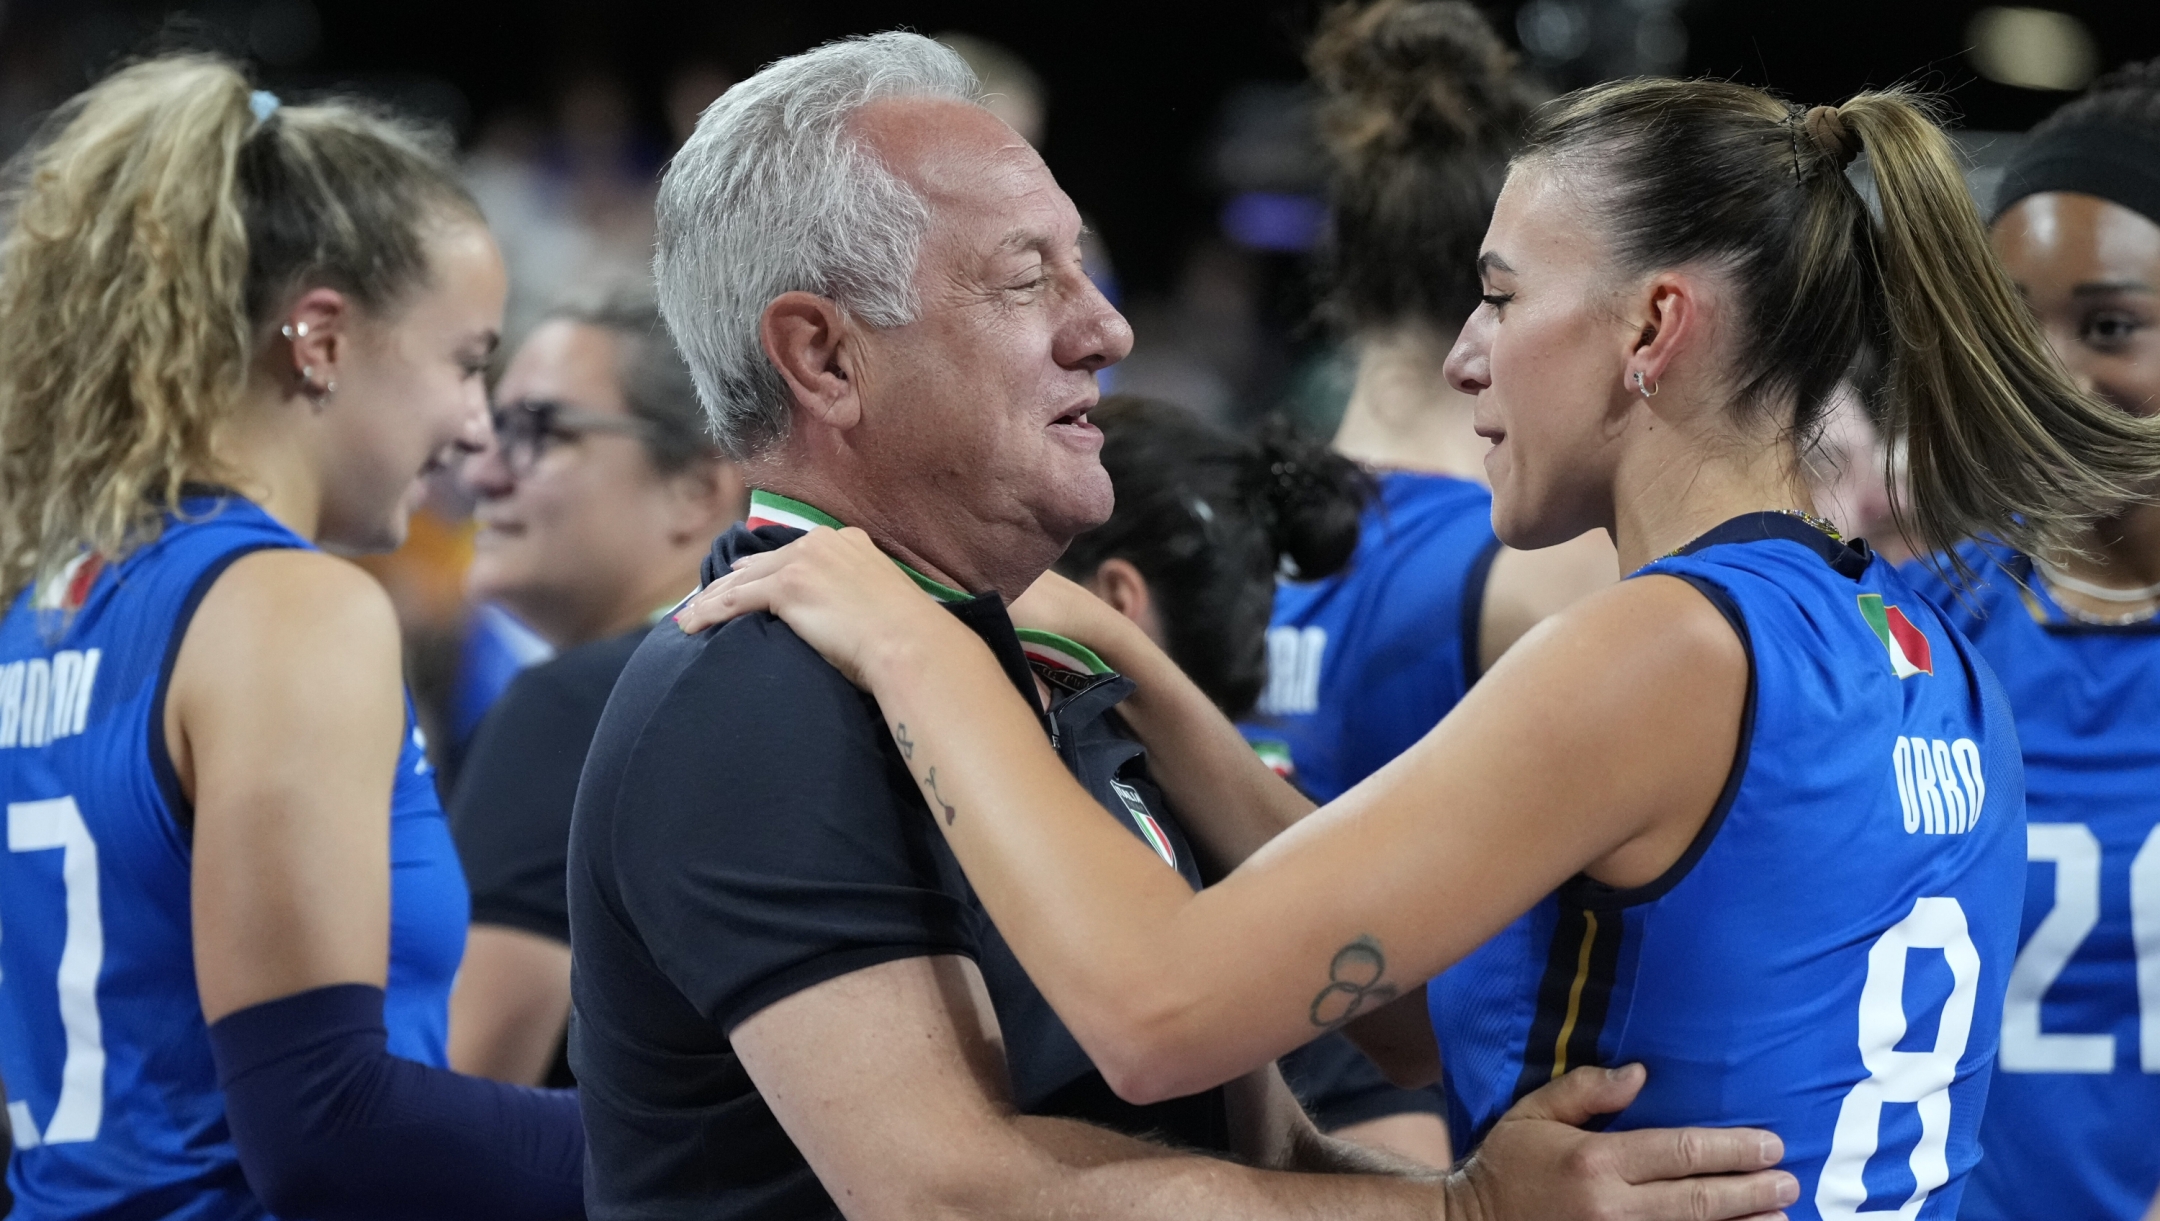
[{"x": 892, "y": 1082}]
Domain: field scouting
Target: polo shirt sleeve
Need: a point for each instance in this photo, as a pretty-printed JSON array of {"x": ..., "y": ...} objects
[{"x": 769, "y": 838}]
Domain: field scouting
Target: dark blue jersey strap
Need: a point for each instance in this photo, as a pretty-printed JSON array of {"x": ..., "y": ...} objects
[{"x": 330, "y": 1126}]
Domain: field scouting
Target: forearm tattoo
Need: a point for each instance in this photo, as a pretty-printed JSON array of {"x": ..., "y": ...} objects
[
  {"x": 1356, "y": 984},
  {"x": 907, "y": 752}
]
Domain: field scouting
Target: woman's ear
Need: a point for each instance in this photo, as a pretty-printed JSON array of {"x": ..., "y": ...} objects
[
  {"x": 316, "y": 340},
  {"x": 806, "y": 338},
  {"x": 1120, "y": 584},
  {"x": 1671, "y": 319},
  {"x": 705, "y": 498}
]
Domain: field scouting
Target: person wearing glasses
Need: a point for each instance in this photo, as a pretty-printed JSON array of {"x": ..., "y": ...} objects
[{"x": 597, "y": 502}]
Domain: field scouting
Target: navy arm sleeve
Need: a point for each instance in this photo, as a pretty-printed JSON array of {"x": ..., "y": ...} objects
[{"x": 330, "y": 1126}]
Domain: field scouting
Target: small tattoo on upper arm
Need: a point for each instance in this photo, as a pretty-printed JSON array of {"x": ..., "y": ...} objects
[
  {"x": 1356, "y": 983},
  {"x": 951, "y": 815},
  {"x": 907, "y": 744}
]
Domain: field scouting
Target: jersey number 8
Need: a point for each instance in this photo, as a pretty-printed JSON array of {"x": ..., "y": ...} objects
[
  {"x": 41, "y": 826},
  {"x": 1919, "y": 1077}
]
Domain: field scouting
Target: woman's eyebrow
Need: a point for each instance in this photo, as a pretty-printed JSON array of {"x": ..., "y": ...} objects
[
  {"x": 2098, "y": 288},
  {"x": 1489, "y": 262}
]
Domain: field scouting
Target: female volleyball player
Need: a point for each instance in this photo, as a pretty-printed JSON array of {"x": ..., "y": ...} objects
[
  {"x": 1752, "y": 817},
  {"x": 1422, "y": 105},
  {"x": 231, "y": 332},
  {"x": 2074, "y": 634}
]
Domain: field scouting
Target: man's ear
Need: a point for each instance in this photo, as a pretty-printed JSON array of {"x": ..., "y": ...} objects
[
  {"x": 807, "y": 339},
  {"x": 1671, "y": 314}
]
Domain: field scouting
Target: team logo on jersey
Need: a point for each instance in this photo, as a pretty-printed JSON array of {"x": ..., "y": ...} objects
[
  {"x": 1276, "y": 755},
  {"x": 1907, "y": 645},
  {"x": 1149, "y": 829}
]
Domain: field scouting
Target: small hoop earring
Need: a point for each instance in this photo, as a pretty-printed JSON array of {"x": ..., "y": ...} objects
[{"x": 1645, "y": 391}]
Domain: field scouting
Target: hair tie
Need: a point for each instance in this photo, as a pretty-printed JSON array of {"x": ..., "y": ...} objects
[
  {"x": 264, "y": 103},
  {"x": 1826, "y": 127}
]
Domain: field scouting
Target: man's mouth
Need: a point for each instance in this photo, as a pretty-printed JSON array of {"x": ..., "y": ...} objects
[{"x": 1076, "y": 418}]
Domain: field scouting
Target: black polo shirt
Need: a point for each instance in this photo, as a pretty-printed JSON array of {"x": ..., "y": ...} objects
[{"x": 746, "y": 829}]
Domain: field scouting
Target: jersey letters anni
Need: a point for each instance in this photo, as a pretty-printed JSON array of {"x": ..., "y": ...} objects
[
  {"x": 112, "y": 1095},
  {"x": 1828, "y": 960}
]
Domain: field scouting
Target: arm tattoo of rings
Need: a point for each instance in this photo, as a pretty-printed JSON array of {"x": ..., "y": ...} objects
[{"x": 1355, "y": 984}]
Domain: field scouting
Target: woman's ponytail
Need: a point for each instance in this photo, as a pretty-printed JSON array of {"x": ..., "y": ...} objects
[
  {"x": 123, "y": 338},
  {"x": 1308, "y": 498},
  {"x": 1998, "y": 440},
  {"x": 159, "y": 224}
]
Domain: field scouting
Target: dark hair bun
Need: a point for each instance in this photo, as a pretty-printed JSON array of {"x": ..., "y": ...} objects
[
  {"x": 1415, "y": 76},
  {"x": 2129, "y": 94},
  {"x": 1422, "y": 105},
  {"x": 1309, "y": 497}
]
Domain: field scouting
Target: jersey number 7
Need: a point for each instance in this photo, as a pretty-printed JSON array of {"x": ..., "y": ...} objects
[{"x": 41, "y": 826}]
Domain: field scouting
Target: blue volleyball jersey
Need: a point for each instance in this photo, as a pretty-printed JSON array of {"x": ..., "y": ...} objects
[
  {"x": 1828, "y": 958},
  {"x": 112, "y": 1094},
  {"x": 1364, "y": 663},
  {"x": 2073, "y": 1118}
]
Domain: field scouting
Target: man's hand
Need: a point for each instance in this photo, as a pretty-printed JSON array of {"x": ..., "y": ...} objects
[{"x": 1538, "y": 1163}]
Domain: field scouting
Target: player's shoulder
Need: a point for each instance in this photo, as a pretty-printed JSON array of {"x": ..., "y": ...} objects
[{"x": 281, "y": 599}]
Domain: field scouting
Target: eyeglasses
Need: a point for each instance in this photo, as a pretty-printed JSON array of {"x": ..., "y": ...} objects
[{"x": 524, "y": 428}]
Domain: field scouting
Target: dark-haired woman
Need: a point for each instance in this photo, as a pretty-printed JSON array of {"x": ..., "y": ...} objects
[
  {"x": 2073, "y": 1118},
  {"x": 1204, "y": 521},
  {"x": 1422, "y": 103},
  {"x": 231, "y": 333},
  {"x": 1753, "y": 817}
]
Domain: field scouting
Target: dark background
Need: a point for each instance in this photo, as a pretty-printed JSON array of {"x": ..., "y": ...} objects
[{"x": 1136, "y": 90}]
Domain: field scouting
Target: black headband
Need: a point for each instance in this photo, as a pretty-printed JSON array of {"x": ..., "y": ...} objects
[{"x": 2113, "y": 160}]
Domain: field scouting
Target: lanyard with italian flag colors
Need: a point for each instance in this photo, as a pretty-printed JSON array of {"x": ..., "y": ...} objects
[{"x": 1043, "y": 648}]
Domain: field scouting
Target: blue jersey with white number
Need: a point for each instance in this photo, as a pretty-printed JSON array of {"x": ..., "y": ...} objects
[
  {"x": 2073, "y": 1119},
  {"x": 1364, "y": 663},
  {"x": 111, "y": 1091},
  {"x": 1828, "y": 958}
]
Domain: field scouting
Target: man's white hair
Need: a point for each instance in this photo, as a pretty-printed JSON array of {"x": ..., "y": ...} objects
[{"x": 773, "y": 194}]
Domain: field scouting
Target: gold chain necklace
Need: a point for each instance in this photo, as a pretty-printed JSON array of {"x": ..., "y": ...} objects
[{"x": 1823, "y": 524}]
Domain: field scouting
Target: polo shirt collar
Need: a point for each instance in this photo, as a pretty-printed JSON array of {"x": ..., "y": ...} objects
[{"x": 1043, "y": 648}]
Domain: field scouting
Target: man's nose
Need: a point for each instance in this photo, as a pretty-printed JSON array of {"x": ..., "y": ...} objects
[{"x": 1097, "y": 336}]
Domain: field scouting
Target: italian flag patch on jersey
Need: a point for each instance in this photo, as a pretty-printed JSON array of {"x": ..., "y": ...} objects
[{"x": 1907, "y": 645}]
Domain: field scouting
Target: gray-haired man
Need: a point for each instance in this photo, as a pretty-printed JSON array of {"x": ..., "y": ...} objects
[{"x": 788, "y": 1002}]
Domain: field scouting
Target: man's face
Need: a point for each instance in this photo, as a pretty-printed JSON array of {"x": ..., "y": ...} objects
[{"x": 983, "y": 398}]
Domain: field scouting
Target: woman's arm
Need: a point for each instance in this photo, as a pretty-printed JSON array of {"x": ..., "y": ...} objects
[
  {"x": 284, "y": 720},
  {"x": 1600, "y": 743},
  {"x": 1227, "y": 800},
  {"x": 511, "y": 1004}
]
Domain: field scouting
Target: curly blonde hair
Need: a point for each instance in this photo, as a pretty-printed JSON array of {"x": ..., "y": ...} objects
[{"x": 156, "y": 227}]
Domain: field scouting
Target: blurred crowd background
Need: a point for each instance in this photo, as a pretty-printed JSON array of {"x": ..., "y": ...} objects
[{"x": 1182, "y": 128}]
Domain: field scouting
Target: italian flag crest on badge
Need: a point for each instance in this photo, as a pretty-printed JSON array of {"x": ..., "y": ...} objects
[{"x": 1906, "y": 644}]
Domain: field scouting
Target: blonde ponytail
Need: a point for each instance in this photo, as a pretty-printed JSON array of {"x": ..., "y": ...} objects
[
  {"x": 158, "y": 228},
  {"x": 123, "y": 341},
  {"x": 1998, "y": 439}
]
